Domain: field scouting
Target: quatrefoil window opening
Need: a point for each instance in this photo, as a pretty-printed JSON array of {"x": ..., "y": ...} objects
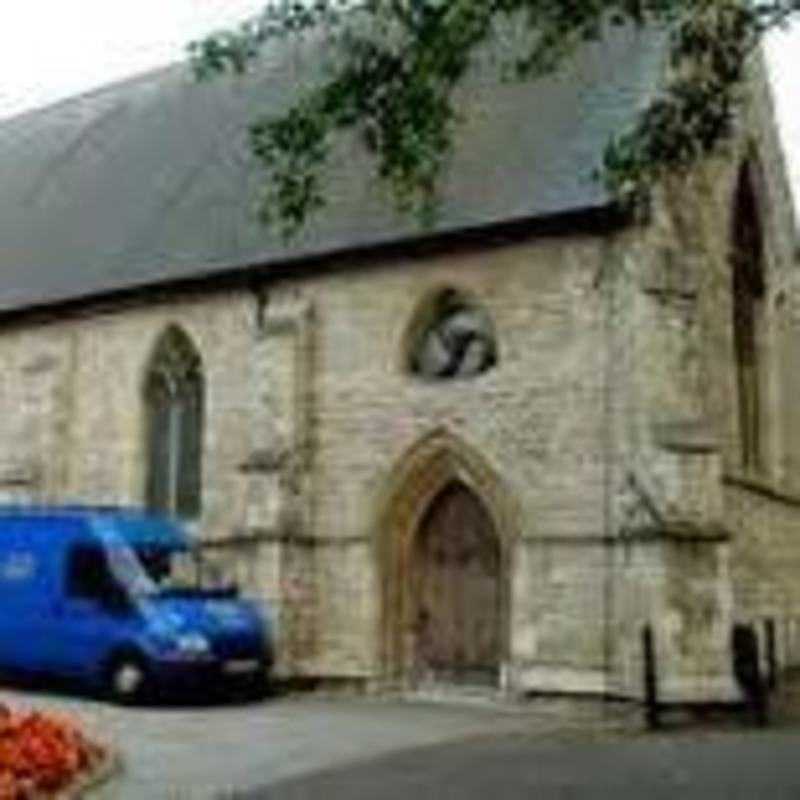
[{"x": 452, "y": 337}]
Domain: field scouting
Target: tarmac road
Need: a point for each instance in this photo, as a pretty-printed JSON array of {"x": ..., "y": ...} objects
[
  {"x": 345, "y": 748},
  {"x": 750, "y": 766},
  {"x": 218, "y": 751}
]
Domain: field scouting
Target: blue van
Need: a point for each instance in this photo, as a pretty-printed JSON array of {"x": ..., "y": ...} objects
[{"x": 116, "y": 597}]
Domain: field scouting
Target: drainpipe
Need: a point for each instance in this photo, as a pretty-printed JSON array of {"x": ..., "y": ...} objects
[{"x": 606, "y": 275}]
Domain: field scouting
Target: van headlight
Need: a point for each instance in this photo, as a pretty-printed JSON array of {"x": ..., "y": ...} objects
[{"x": 192, "y": 645}]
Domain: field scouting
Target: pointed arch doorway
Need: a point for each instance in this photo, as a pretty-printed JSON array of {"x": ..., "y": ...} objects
[
  {"x": 446, "y": 531},
  {"x": 455, "y": 573}
]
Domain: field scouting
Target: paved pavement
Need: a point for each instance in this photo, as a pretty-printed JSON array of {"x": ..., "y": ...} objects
[{"x": 199, "y": 753}]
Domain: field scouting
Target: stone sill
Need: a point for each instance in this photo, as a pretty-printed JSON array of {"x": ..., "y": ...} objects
[
  {"x": 678, "y": 531},
  {"x": 686, "y": 437}
]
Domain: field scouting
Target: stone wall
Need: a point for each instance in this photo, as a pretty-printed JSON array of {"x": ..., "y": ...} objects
[
  {"x": 761, "y": 508},
  {"x": 72, "y": 410},
  {"x": 310, "y": 411},
  {"x": 684, "y": 401},
  {"x": 536, "y": 421},
  {"x": 600, "y": 441}
]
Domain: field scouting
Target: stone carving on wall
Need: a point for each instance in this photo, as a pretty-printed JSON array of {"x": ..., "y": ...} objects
[
  {"x": 676, "y": 492},
  {"x": 455, "y": 340},
  {"x": 638, "y": 505}
]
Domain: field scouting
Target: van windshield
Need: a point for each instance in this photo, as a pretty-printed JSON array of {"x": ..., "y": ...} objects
[
  {"x": 129, "y": 572},
  {"x": 170, "y": 570},
  {"x": 152, "y": 571},
  {"x": 154, "y": 560}
]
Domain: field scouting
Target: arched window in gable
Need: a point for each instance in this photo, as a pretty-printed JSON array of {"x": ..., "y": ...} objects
[
  {"x": 747, "y": 266},
  {"x": 174, "y": 396},
  {"x": 451, "y": 336}
]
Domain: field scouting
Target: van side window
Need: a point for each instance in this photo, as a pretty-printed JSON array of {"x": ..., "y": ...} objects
[{"x": 87, "y": 572}]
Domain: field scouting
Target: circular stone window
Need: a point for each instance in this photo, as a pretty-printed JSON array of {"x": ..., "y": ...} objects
[{"x": 453, "y": 338}]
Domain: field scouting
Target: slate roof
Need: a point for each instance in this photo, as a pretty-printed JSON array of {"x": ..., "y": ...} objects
[{"x": 150, "y": 180}]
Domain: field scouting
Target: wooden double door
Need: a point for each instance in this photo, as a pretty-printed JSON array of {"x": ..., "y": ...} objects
[{"x": 456, "y": 591}]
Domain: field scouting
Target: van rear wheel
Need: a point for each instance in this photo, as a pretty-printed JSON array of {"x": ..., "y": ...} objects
[{"x": 127, "y": 679}]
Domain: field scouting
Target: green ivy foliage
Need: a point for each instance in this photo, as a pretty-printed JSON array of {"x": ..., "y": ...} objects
[{"x": 395, "y": 64}]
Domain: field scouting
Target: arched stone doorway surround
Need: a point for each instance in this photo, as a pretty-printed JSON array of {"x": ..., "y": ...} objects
[{"x": 436, "y": 462}]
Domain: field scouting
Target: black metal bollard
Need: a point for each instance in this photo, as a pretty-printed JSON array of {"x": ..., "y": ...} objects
[
  {"x": 746, "y": 668},
  {"x": 652, "y": 708},
  {"x": 772, "y": 659}
]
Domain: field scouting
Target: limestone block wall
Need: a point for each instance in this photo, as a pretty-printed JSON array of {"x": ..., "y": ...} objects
[
  {"x": 688, "y": 294},
  {"x": 561, "y": 617},
  {"x": 308, "y": 391},
  {"x": 71, "y": 401},
  {"x": 761, "y": 509},
  {"x": 536, "y": 420},
  {"x": 663, "y": 476},
  {"x": 321, "y": 412},
  {"x": 766, "y": 562},
  {"x": 635, "y": 600},
  {"x": 678, "y": 438}
]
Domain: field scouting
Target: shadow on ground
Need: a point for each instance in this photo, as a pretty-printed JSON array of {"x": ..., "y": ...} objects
[{"x": 65, "y": 689}]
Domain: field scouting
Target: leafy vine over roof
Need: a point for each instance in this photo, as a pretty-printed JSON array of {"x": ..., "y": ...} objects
[
  {"x": 395, "y": 67},
  {"x": 153, "y": 181}
]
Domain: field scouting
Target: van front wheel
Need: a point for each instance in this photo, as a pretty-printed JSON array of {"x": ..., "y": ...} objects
[{"x": 127, "y": 679}]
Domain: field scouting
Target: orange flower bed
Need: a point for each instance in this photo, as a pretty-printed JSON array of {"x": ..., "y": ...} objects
[{"x": 42, "y": 754}]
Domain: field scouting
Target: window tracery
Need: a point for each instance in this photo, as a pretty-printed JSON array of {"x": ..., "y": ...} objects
[
  {"x": 174, "y": 400},
  {"x": 453, "y": 339}
]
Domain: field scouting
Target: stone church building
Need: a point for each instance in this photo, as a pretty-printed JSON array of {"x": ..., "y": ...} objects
[{"x": 483, "y": 454}]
